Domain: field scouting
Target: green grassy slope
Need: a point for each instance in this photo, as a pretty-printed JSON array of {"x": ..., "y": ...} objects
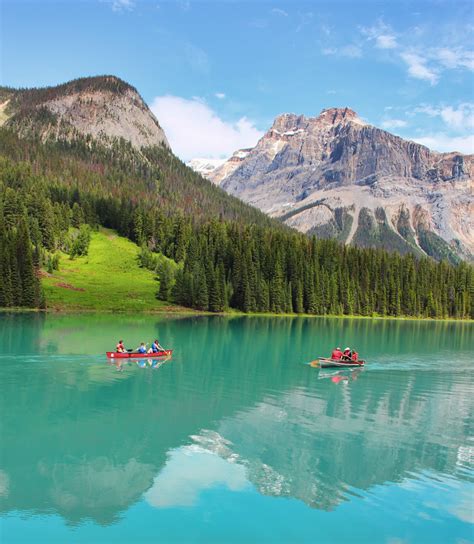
[{"x": 108, "y": 279}]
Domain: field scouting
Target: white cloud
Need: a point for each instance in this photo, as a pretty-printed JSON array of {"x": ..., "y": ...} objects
[
  {"x": 220, "y": 96},
  {"x": 123, "y": 5},
  {"x": 454, "y": 58},
  {"x": 443, "y": 142},
  {"x": 457, "y": 118},
  {"x": 424, "y": 61},
  {"x": 461, "y": 118},
  {"x": 458, "y": 132},
  {"x": 418, "y": 69},
  {"x": 386, "y": 41},
  {"x": 189, "y": 471},
  {"x": 394, "y": 123},
  {"x": 195, "y": 130},
  {"x": 429, "y": 63},
  {"x": 278, "y": 11},
  {"x": 382, "y": 35},
  {"x": 350, "y": 51}
]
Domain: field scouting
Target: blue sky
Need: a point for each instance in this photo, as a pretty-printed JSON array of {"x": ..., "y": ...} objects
[{"x": 217, "y": 73}]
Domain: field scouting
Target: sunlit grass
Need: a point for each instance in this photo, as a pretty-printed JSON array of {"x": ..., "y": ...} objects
[{"x": 109, "y": 278}]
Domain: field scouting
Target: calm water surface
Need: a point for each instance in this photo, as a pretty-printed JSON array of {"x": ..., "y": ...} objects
[{"x": 235, "y": 439}]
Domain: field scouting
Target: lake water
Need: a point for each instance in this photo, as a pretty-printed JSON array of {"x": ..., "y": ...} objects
[{"x": 235, "y": 439}]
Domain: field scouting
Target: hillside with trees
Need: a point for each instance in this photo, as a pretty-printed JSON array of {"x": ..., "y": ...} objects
[{"x": 227, "y": 254}]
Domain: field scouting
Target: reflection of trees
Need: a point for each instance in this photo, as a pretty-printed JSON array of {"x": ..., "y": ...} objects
[
  {"x": 81, "y": 486},
  {"x": 92, "y": 440},
  {"x": 21, "y": 332},
  {"x": 321, "y": 448}
]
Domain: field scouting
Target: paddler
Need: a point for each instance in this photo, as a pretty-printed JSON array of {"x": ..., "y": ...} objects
[
  {"x": 120, "y": 348},
  {"x": 354, "y": 356},
  {"x": 141, "y": 348},
  {"x": 347, "y": 354},
  {"x": 336, "y": 354},
  {"x": 155, "y": 347}
]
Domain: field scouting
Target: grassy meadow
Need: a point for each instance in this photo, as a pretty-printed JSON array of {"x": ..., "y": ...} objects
[{"x": 109, "y": 278}]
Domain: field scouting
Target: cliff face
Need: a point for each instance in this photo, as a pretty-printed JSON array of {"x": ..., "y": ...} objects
[
  {"x": 103, "y": 108},
  {"x": 336, "y": 176}
]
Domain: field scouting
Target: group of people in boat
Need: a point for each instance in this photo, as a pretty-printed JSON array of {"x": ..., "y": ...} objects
[
  {"x": 142, "y": 348},
  {"x": 347, "y": 355}
]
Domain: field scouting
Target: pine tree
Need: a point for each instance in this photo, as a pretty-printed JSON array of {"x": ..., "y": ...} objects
[
  {"x": 200, "y": 295},
  {"x": 216, "y": 292},
  {"x": 277, "y": 290},
  {"x": 77, "y": 215},
  {"x": 15, "y": 278},
  {"x": 28, "y": 280},
  {"x": 165, "y": 274},
  {"x": 298, "y": 297}
]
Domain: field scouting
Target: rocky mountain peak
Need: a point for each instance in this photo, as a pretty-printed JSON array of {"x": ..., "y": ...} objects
[
  {"x": 288, "y": 121},
  {"x": 290, "y": 124},
  {"x": 335, "y": 176},
  {"x": 104, "y": 107},
  {"x": 337, "y": 116}
]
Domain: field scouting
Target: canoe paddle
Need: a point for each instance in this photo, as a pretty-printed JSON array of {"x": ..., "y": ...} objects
[{"x": 314, "y": 364}]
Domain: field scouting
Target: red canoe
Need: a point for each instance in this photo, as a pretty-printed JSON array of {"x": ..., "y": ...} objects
[{"x": 128, "y": 355}]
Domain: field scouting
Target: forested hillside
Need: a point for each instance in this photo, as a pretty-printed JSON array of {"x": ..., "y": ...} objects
[{"x": 228, "y": 254}]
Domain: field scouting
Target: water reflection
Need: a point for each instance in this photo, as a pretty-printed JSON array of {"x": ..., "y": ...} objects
[
  {"x": 189, "y": 471},
  {"x": 340, "y": 376},
  {"x": 234, "y": 409}
]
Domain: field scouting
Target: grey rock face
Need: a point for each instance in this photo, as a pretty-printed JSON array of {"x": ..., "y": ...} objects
[
  {"x": 305, "y": 169},
  {"x": 104, "y": 108}
]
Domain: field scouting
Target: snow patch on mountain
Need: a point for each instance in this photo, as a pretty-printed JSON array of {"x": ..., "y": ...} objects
[{"x": 205, "y": 166}]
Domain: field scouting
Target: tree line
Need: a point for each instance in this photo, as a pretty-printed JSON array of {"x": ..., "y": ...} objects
[{"x": 224, "y": 255}]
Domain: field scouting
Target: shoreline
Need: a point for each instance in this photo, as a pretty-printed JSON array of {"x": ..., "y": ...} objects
[{"x": 189, "y": 312}]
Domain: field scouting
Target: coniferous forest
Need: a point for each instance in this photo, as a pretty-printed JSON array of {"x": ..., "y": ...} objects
[{"x": 227, "y": 254}]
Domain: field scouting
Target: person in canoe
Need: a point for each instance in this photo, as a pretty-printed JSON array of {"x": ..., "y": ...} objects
[
  {"x": 141, "y": 348},
  {"x": 346, "y": 356},
  {"x": 354, "y": 356},
  {"x": 336, "y": 354},
  {"x": 155, "y": 347},
  {"x": 120, "y": 348}
]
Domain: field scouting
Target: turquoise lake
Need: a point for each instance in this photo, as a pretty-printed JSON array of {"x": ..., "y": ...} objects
[{"x": 235, "y": 440}]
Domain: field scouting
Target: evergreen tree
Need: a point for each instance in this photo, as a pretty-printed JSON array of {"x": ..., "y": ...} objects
[
  {"x": 28, "y": 280},
  {"x": 200, "y": 295},
  {"x": 165, "y": 274}
]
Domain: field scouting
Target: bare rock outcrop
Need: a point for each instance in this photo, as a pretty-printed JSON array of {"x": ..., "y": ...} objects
[
  {"x": 327, "y": 174},
  {"x": 103, "y": 108}
]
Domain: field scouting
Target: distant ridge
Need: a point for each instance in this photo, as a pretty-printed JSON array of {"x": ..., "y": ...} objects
[{"x": 336, "y": 176}]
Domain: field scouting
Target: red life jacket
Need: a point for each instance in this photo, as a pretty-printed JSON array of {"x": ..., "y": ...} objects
[
  {"x": 355, "y": 356},
  {"x": 336, "y": 354}
]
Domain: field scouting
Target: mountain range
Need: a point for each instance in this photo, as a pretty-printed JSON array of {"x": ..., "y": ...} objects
[{"x": 336, "y": 176}]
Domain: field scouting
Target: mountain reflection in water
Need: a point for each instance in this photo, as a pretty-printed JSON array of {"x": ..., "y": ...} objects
[{"x": 234, "y": 409}]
